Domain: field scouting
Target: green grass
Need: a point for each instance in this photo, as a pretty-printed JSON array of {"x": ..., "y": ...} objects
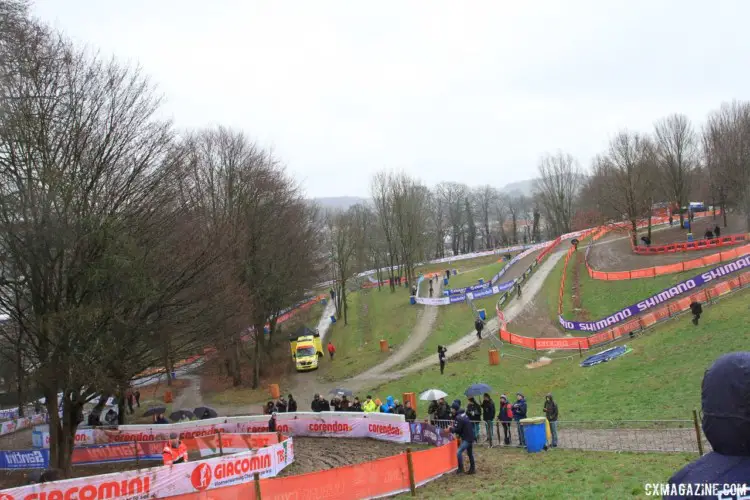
[
  {"x": 660, "y": 379},
  {"x": 460, "y": 265},
  {"x": 471, "y": 277},
  {"x": 601, "y": 298},
  {"x": 373, "y": 315},
  {"x": 557, "y": 474}
]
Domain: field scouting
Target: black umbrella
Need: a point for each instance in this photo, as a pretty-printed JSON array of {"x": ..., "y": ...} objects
[
  {"x": 204, "y": 412},
  {"x": 156, "y": 410},
  {"x": 341, "y": 392},
  {"x": 178, "y": 415}
]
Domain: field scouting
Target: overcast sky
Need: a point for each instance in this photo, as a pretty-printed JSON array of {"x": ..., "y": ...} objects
[{"x": 471, "y": 91}]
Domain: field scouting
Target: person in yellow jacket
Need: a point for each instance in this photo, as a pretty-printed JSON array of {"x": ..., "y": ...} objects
[{"x": 369, "y": 406}]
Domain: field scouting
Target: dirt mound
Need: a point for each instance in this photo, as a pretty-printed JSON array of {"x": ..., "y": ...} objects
[{"x": 543, "y": 361}]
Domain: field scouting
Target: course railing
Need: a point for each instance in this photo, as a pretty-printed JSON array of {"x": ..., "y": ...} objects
[
  {"x": 634, "y": 324},
  {"x": 703, "y": 244},
  {"x": 250, "y": 473}
]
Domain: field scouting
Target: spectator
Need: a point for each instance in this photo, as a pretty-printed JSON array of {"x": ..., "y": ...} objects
[
  {"x": 443, "y": 413},
  {"x": 344, "y": 405},
  {"x": 519, "y": 413},
  {"x": 725, "y": 393},
  {"x": 270, "y": 408},
  {"x": 414, "y": 290},
  {"x": 432, "y": 411},
  {"x": 479, "y": 326},
  {"x": 409, "y": 414},
  {"x": 336, "y": 403},
  {"x": 369, "y": 405},
  {"x": 111, "y": 417},
  {"x": 432, "y": 290},
  {"x": 291, "y": 405},
  {"x": 356, "y": 405},
  {"x": 130, "y": 398},
  {"x": 316, "y": 405},
  {"x": 94, "y": 418},
  {"x": 709, "y": 235},
  {"x": 447, "y": 274},
  {"x": 697, "y": 309},
  {"x": 488, "y": 415},
  {"x": 331, "y": 350},
  {"x": 272, "y": 423},
  {"x": 441, "y": 357},
  {"x": 175, "y": 451},
  {"x": 464, "y": 429},
  {"x": 474, "y": 412},
  {"x": 324, "y": 405},
  {"x": 518, "y": 289},
  {"x": 646, "y": 240},
  {"x": 50, "y": 475},
  {"x": 506, "y": 417},
  {"x": 333, "y": 294},
  {"x": 388, "y": 406},
  {"x": 160, "y": 419},
  {"x": 398, "y": 408},
  {"x": 281, "y": 405},
  {"x": 550, "y": 411},
  {"x": 137, "y": 395},
  {"x": 717, "y": 231}
]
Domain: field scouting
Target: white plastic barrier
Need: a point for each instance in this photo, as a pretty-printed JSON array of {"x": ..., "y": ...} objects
[
  {"x": 166, "y": 481},
  {"x": 352, "y": 424}
]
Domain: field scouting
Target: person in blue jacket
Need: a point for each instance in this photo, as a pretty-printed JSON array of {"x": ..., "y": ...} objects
[
  {"x": 725, "y": 398},
  {"x": 388, "y": 406},
  {"x": 464, "y": 428},
  {"x": 519, "y": 413}
]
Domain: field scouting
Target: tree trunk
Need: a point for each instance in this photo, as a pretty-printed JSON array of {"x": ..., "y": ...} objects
[
  {"x": 235, "y": 353},
  {"x": 121, "y": 405},
  {"x": 256, "y": 358},
  {"x": 20, "y": 381},
  {"x": 634, "y": 225},
  {"x": 649, "y": 225}
]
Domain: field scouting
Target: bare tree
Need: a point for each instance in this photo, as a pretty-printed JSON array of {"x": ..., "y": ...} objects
[
  {"x": 382, "y": 197},
  {"x": 342, "y": 247},
  {"x": 676, "y": 152},
  {"x": 453, "y": 196},
  {"x": 409, "y": 198},
  {"x": 485, "y": 199},
  {"x": 620, "y": 178},
  {"x": 557, "y": 187}
]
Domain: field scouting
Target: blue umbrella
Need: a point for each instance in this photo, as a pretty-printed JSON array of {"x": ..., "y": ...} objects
[{"x": 477, "y": 390}]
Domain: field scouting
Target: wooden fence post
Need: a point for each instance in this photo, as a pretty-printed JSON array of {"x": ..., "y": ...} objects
[
  {"x": 256, "y": 480},
  {"x": 410, "y": 465},
  {"x": 221, "y": 446},
  {"x": 698, "y": 433}
]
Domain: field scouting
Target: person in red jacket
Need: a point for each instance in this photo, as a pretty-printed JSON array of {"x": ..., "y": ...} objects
[
  {"x": 175, "y": 451},
  {"x": 331, "y": 350}
]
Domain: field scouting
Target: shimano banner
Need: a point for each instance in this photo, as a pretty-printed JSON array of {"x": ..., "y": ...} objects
[
  {"x": 26, "y": 459},
  {"x": 682, "y": 288}
]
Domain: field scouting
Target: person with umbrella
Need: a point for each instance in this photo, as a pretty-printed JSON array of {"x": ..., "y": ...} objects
[
  {"x": 281, "y": 405},
  {"x": 474, "y": 412},
  {"x": 175, "y": 451},
  {"x": 204, "y": 413}
]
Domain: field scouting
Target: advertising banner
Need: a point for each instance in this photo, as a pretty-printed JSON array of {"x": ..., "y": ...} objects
[
  {"x": 118, "y": 452},
  {"x": 26, "y": 459},
  {"x": 429, "y": 434},
  {"x": 288, "y": 423},
  {"x": 167, "y": 481},
  {"x": 685, "y": 287},
  {"x": 11, "y": 426}
]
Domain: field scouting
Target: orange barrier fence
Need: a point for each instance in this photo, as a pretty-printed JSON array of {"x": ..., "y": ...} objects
[
  {"x": 704, "y": 244},
  {"x": 650, "y": 272},
  {"x": 639, "y": 323},
  {"x": 377, "y": 478}
]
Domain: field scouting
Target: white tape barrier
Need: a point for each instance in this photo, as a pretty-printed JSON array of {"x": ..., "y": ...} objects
[
  {"x": 294, "y": 424},
  {"x": 166, "y": 481}
]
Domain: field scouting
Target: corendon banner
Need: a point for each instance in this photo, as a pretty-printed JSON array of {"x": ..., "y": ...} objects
[
  {"x": 397, "y": 432},
  {"x": 682, "y": 288},
  {"x": 165, "y": 481},
  {"x": 231, "y": 443},
  {"x": 232, "y": 425}
]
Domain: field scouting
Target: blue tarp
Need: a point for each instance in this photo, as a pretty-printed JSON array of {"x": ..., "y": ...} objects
[{"x": 604, "y": 356}]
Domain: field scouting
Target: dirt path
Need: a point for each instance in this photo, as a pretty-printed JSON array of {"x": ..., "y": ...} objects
[{"x": 190, "y": 397}]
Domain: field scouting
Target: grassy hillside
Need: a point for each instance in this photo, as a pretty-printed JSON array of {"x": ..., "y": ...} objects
[
  {"x": 513, "y": 473},
  {"x": 665, "y": 370},
  {"x": 373, "y": 315}
]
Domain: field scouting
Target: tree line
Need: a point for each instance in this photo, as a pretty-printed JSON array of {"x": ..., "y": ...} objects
[{"x": 125, "y": 243}]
